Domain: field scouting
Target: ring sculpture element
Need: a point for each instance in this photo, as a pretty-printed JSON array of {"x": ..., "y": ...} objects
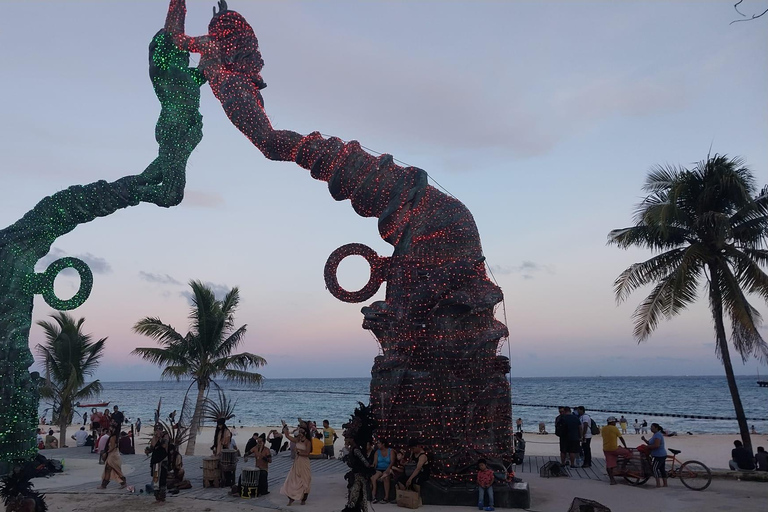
[
  {"x": 374, "y": 282},
  {"x": 43, "y": 283}
]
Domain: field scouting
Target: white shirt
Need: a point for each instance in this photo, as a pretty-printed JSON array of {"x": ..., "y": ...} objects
[
  {"x": 103, "y": 443},
  {"x": 585, "y": 419},
  {"x": 80, "y": 436}
]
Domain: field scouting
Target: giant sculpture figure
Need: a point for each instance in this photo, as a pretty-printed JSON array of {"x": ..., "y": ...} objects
[
  {"x": 178, "y": 131},
  {"x": 439, "y": 377}
]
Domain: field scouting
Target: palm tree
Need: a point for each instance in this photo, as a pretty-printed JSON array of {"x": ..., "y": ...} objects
[
  {"x": 707, "y": 225},
  {"x": 205, "y": 353},
  {"x": 68, "y": 357}
]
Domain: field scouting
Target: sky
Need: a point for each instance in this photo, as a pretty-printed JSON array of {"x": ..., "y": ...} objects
[{"x": 543, "y": 118}]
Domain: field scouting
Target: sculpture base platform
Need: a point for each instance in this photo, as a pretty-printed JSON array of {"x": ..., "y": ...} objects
[{"x": 515, "y": 495}]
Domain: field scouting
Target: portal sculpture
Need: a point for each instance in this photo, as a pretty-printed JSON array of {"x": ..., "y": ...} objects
[
  {"x": 439, "y": 377},
  {"x": 178, "y": 131}
]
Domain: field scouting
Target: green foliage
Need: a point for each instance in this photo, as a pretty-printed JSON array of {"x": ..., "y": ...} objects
[
  {"x": 205, "y": 353},
  {"x": 708, "y": 225},
  {"x": 68, "y": 357}
]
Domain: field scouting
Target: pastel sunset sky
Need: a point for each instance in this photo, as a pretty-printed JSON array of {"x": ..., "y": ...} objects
[{"x": 542, "y": 117}]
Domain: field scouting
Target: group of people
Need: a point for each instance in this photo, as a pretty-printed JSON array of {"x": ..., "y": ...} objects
[
  {"x": 574, "y": 428},
  {"x": 742, "y": 458}
]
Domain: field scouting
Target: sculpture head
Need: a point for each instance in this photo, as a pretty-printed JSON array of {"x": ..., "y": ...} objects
[{"x": 237, "y": 42}]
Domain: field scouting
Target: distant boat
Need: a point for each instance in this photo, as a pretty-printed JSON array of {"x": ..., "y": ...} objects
[
  {"x": 763, "y": 383},
  {"x": 100, "y": 404}
]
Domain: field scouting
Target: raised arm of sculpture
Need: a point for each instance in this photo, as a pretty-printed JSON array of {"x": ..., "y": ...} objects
[
  {"x": 437, "y": 330},
  {"x": 178, "y": 131}
]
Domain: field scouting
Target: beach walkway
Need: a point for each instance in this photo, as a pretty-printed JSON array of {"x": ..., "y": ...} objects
[{"x": 533, "y": 464}]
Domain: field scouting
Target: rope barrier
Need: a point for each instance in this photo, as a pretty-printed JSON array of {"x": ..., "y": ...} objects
[{"x": 641, "y": 413}]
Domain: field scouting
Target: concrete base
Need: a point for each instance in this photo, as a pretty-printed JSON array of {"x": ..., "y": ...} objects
[{"x": 516, "y": 495}]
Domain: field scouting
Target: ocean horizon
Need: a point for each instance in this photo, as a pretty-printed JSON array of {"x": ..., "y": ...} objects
[{"x": 662, "y": 399}]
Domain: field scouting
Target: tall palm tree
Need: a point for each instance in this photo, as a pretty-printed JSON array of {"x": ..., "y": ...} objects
[
  {"x": 707, "y": 224},
  {"x": 68, "y": 356},
  {"x": 205, "y": 352}
]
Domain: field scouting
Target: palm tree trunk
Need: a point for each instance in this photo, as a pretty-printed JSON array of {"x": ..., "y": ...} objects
[
  {"x": 716, "y": 304},
  {"x": 63, "y": 427},
  {"x": 201, "y": 387}
]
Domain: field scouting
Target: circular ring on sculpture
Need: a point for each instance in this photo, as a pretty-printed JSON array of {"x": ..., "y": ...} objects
[
  {"x": 46, "y": 279},
  {"x": 332, "y": 266}
]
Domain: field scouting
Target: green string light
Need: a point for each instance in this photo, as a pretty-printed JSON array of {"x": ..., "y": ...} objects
[{"x": 178, "y": 131}]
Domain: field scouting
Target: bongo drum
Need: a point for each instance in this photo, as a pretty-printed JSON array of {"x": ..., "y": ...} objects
[
  {"x": 249, "y": 482},
  {"x": 228, "y": 460},
  {"x": 211, "y": 472}
]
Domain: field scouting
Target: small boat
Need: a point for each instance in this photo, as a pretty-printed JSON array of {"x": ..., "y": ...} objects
[{"x": 100, "y": 404}]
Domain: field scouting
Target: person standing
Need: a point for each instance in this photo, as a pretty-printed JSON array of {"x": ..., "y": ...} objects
[
  {"x": 644, "y": 427},
  {"x": 586, "y": 436},
  {"x": 138, "y": 425},
  {"x": 262, "y": 456},
  {"x": 485, "y": 478},
  {"x": 299, "y": 480},
  {"x": 658, "y": 454},
  {"x": 329, "y": 438},
  {"x": 519, "y": 424},
  {"x": 85, "y": 418},
  {"x": 158, "y": 449},
  {"x": 636, "y": 426},
  {"x": 118, "y": 417},
  {"x": 623, "y": 423},
  {"x": 570, "y": 444},
  {"x": 611, "y": 449},
  {"x": 113, "y": 464}
]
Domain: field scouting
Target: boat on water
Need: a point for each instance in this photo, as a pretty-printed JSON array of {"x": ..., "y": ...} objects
[{"x": 100, "y": 404}]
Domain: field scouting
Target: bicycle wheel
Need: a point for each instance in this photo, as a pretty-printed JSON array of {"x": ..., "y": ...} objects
[
  {"x": 695, "y": 475},
  {"x": 635, "y": 479}
]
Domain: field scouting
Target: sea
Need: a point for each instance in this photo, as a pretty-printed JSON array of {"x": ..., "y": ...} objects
[{"x": 664, "y": 400}]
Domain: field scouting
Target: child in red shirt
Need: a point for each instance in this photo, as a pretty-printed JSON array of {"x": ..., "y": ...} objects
[{"x": 485, "y": 478}]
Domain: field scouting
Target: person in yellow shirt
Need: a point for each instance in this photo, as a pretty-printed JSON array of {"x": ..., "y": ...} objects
[
  {"x": 611, "y": 437},
  {"x": 317, "y": 444}
]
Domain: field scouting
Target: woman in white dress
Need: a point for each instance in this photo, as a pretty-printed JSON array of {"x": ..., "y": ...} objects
[{"x": 299, "y": 480}]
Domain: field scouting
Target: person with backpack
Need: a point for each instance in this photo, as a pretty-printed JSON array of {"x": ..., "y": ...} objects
[{"x": 586, "y": 436}]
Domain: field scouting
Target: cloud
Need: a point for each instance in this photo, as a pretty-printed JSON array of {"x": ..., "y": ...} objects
[
  {"x": 526, "y": 269},
  {"x": 95, "y": 263},
  {"x": 158, "y": 278},
  {"x": 219, "y": 290},
  {"x": 200, "y": 199}
]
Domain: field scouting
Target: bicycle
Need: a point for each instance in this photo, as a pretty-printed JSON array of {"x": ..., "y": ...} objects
[{"x": 693, "y": 474}]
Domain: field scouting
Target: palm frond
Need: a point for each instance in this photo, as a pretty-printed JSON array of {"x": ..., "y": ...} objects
[
  {"x": 226, "y": 347},
  {"x": 154, "y": 328},
  {"x": 641, "y": 274},
  {"x": 242, "y": 377}
]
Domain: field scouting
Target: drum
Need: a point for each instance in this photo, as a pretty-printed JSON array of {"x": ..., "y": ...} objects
[
  {"x": 228, "y": 460},
  {"x": 249, "y": 481},
  {"x": 211, "y": 472}
]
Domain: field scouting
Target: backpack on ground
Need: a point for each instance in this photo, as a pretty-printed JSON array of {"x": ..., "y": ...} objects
[
  {"x": 593, "y": 427},
  {"x": 553, "y": 468}
]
